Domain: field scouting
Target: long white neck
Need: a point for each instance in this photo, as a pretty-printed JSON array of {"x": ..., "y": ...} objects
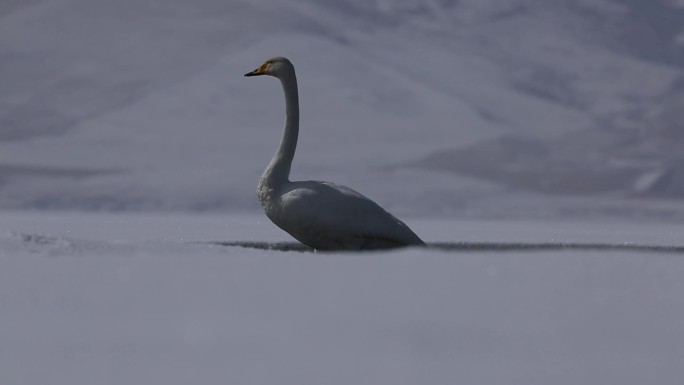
[{"x": 278, "y": 170}]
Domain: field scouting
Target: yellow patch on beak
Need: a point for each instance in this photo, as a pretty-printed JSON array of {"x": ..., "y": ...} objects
[{"x": 259, "y": 71}]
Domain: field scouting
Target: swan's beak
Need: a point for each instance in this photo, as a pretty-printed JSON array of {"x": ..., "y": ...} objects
[
  {"x": 256, "y": 72},
  {"x": 259, "y": 71}
]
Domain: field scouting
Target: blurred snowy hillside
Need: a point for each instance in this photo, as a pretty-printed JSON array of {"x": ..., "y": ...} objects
[{"x": 429, "y": 107}]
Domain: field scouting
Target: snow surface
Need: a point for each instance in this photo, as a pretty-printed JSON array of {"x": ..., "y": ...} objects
[
  {"x": 508, "y": 134},
  {"x": 147, "y": 299}
]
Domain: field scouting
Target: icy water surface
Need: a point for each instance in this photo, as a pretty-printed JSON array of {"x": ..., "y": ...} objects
[
  {"x": 154, "y": 299},
  {"x": 480, "y": 246}
]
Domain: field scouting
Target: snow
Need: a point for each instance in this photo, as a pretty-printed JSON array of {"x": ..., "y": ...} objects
[
  {"x": 148, "y": 298},
  {"x": 142, "y": 106},
  {"x": 535, "y": 144}
]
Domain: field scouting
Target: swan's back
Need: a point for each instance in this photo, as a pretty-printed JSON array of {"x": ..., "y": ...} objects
[{"x": 327, "y": 216}]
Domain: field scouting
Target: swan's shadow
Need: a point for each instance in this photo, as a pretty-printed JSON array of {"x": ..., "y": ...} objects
[{"x": 478, "y": 246}]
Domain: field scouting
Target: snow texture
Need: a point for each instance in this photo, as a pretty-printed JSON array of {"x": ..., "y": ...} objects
[
  {"x": 141, "y": 105},
  {"x": 141, "y": 299},
  {"x": 534, "y": 144}
]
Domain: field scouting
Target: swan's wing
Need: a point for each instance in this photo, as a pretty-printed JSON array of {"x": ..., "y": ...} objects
[{"x": 331, "y": 213}]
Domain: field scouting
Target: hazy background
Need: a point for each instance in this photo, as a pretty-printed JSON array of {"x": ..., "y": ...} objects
[{"x": 460, "y": 108}]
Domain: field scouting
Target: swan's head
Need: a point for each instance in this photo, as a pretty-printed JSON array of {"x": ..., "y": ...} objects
[{"x": 276, "y": 66}]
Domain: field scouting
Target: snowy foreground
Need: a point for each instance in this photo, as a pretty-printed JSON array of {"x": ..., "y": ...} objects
[{"x": 148, "y": 299}]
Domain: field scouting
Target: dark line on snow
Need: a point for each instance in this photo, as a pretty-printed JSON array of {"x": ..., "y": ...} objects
[{"x": 479, "y": 246}]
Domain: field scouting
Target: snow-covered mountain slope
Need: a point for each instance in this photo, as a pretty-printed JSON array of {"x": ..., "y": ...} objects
[{"x": 142, "y": 104}]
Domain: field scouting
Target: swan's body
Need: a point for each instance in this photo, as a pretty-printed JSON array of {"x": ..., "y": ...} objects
[{"x": 321, "y": 215}]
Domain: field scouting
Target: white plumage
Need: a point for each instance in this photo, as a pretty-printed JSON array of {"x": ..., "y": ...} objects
[{"x": 322, "y": 215}]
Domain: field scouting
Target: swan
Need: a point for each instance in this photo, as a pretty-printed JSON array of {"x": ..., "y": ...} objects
[{"x": 321, "y": 215}]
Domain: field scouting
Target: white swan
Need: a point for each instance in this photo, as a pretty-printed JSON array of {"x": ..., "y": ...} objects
[{"x": 321, "y": 215}]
